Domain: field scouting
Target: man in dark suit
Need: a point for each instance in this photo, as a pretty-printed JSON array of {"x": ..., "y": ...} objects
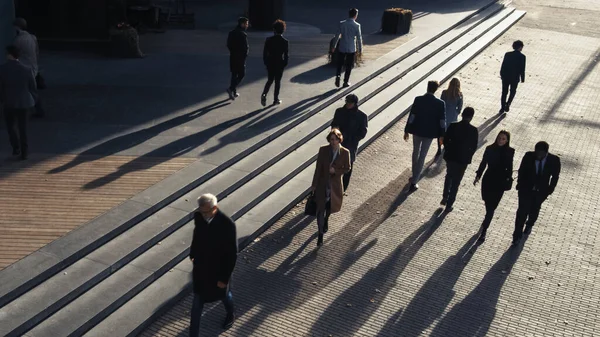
[
  {"x": 538, "y": 176},
  {"x": 353, "y": 124},
  {"x": 18, "y": 95},
  {"x": 237, "y": 43},
  {"x": 214, "y": 253},
  {"x": 275, "y": 57},
  {"x": 460, "y": 143},
  {"x": 513, "y": 70},
  {"x": 427, "y": 121}
]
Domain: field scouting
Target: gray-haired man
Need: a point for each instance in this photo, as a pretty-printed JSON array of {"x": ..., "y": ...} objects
[{"x": 214, "y": 254}]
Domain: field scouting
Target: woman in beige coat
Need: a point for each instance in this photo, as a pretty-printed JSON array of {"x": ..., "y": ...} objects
[{"x": 332, "y": 162}]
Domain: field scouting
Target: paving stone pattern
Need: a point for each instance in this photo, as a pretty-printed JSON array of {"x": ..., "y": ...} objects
[{"x": 394, "y": 265}]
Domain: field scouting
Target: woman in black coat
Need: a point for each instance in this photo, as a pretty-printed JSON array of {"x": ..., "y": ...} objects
[{"x": 498, "y": 158}]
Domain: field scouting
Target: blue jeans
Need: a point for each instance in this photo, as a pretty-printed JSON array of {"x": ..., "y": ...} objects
[{"x": 197, "y": 308}]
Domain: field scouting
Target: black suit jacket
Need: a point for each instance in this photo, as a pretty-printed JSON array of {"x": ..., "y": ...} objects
[
  {"x": 460, "y": 142},
  {"x": 513, "y": 67},
  {"x": 275, "y": 53},
  {"x": 527, "y": 173},
  {"x": 353, "y": 124},
  {"x": 214, "y": 251},
  {"x": 427, "y": 117},
  {"x": 237, "y": 43}
]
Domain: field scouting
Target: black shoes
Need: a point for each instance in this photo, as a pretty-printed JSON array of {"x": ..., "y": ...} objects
[
  {"x": 337, "y": 81},
  {"x": 231, "y": 94},
  {"x": 413, "y": 187},
  {"x": 481, "y": 239},
  {"x": 444, "y": 201},
  {"x": 277, "y": 101},
  {"x": 263, "y": 100},
  {"x": 346, "y": 84},
  {"x": 527, "y": 230},
  {"x": 507, "y": 108},
  {"x": 229, "y": 321},
  {"x": 448, "y": 208},
  {"x": 16, "y": 152},
  {"x": 320, "y": 240}
]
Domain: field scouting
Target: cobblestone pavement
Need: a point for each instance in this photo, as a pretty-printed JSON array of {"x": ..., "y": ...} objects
[{"x": 394, "y": 265}]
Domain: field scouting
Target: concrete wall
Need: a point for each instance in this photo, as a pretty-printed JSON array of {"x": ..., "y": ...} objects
[{"x": 7, "y": 32}]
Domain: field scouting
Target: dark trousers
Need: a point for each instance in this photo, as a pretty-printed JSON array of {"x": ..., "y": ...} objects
[
  {"x": 345, "y": 60},
  {"x": 198, "y": 307},
  {"x": 508, "y": 85},
  {"x": 530, "y": 203},
  {"x": 238, "y": 72},
  {"x": 323, "y": 216},
  {"x": 491, "y": 203},
  {"x": 274, "y": 75},
  {"x": 454, "y": 175},
  {"x": 346, "y": 176},
  {"x": 18, "y": 141}
]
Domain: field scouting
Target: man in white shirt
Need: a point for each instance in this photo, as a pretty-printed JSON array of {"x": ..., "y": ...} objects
[{"x": 350, "y": 44}]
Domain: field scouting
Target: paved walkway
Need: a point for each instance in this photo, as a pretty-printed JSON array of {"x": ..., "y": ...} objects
[
  {"x": 116, "y": 127},
  {"x": 393, "y": 265}
]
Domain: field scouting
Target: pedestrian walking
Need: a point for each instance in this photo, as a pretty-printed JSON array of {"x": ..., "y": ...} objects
[
  {"x": 497, "y": 163},
  {"x": 353, "y": 124},
  {"x": 453, "y": 98},
  {"x": 333, "y": 161},
  {"x": 512, "y": 70},
  {"x": 350, "y": 38},
  {"x": 29, "y": 54},
  {"x": 427, "y": 121},
  {"x": 460, "y": 146},
  {"x": 237, "y": 43},
  {"x": 538, "y": 176},
  {"x": 275, "y": 57},
  {"x": 18, "y": 95},
  {"x": 214, "y": 253}
]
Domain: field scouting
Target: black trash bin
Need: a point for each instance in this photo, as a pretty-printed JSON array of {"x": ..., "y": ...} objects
[{"x": 262, "y": 13}]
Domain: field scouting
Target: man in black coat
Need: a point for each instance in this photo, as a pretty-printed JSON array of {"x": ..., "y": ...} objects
[
  {"x": 353, "y": 124},
  {"x": 538, "y": 176},
  {"x": 275, "y": 57},
  {"x": 461, "y": 143},
  {"x": 237, "y": 43},
  {"x": 513, "y": 70},
  {"x": 214, "y": 254},
  {"x": 427, "y": 121}
]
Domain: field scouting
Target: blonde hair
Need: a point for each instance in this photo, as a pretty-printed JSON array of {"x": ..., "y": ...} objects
[
  {"x": 337, "y": 133},
  {"x": 453, "y": 90}
]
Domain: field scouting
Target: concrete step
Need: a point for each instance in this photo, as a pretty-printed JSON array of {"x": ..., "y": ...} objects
[
  {"x": 39, "y": 266},
  {"x": 95, "y": 267},
  {"x": 153, "y": 300}
]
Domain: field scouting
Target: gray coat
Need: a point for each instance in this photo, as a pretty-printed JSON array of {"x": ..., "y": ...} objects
[
  {"x": 351, "y": 37},
  {"x": 17, "y": 86}
]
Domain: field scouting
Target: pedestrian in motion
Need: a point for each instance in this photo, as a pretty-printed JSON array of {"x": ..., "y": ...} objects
[
  {"x": 237, "y": 43},
  {"x": 497, "y": 163},
  {"x": 275, "y": 57},
  {"x": 353, "y": 124},
  {"x": 29, "y": 54},
  {"x": 513, "y": 70},
  {"x": 333, "y": 161},
  {"x": 453, "y": 98},
  {"x": 538, "y": 176},
  {"x": 427, "y": 121},
  {"x": 460, "y": 144},
  {"x": 18, "y": 95},
  {"x": 214, "y": 254},
  {"x": 350, "y": 39}
]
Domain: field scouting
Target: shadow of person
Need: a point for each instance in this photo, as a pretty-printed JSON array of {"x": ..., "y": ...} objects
[
  {"x": 486, "y": 128},
  {"x": 433, "y": 297},
  {"x": 316, "y": 75},
  {"x": 475, "y": 313},
  {"x": 361, "y": 300},
  {"x": 130, "y": 140},
  {"x": 168, "y": 151},
  {"x": 268, "y": 122}
]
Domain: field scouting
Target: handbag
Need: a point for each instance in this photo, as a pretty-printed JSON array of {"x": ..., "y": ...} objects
[
  {"x": 310, "y": 208},
  {"x": 509, "y": 182},
  {"x": 40, "y": 81}
]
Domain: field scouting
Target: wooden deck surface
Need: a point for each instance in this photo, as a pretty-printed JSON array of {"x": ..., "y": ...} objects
[{"x": 38, "y": 206}]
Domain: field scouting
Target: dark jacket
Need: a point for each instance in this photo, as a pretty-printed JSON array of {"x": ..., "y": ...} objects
[
  {"x": 427, "y": 117},
  {"x": 17, "y": 86},
  {"x": 460, "y": 142},
  {"x": 353, "y": 124},
  {"x": 237, "y": 43},
  {"x": 513, "y": 67},
  {"x": 214, "y": 251},
  {"x": 527, "y": 174},
  {"x": 499, "y": 163},
  {"x": 275, "y": 53}
]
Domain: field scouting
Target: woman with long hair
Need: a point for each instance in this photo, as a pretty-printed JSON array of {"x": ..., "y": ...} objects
[
  {"x": 453, "y": 98},
  {"x": 498, "y": 159},
  {"x": 333, "y": 161}
]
